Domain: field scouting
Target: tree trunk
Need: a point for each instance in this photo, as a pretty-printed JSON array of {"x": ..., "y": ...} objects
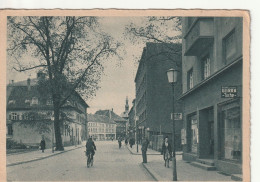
[{"x": 59, "y": 146}]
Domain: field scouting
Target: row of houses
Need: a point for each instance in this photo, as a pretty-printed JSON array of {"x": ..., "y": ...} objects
[
  {"x": 207, "y": 94},
  {"x": 29, "y": 114}
]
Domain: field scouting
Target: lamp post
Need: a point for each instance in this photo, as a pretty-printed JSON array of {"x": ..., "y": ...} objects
[
  {"x": 172, "y": 78},
  {"x": 52, "y": 134}
]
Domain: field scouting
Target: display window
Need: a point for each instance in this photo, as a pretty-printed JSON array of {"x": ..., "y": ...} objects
[
  {"x": 194, "y": 134},
  {"x": 231, "y": 132}
]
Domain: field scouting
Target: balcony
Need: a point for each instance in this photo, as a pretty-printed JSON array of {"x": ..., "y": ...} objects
[{"x": 199, "y": 36}]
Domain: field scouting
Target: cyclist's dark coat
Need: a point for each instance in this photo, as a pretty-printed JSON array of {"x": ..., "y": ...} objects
[{"x": 90, "y": 147}]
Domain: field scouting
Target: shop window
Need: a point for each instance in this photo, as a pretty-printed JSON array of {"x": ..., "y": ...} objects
[
  {"x": 190, "y": 79},
  {"x": 231, "y": 134},
  {"x": 194, "y": 135}
]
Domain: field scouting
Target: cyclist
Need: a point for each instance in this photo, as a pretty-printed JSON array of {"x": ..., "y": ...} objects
[{"x": 90, "y": 148}]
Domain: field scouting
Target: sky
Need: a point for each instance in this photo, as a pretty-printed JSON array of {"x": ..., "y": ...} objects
[{"x": 117, "y": 82}]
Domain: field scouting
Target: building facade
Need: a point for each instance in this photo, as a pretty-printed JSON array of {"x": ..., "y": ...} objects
[
  {"x": 29, "y": 116},
  {"x": 212, "y": 91},
  {"x": 101, "y": 127},
  {"x": 154, "y": 94},
  {"x": 131, "y": 118},
  {"x": 120, "y": 122}
]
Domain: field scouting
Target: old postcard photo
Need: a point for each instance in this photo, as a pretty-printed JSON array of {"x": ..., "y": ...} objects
[{"x": 125, "y": 95}]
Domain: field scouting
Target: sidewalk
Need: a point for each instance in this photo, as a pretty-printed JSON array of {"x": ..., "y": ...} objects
[
  {"x": 21, "y": 158},
  {"x": 185, "y": 171},
  {"x": 133, "y": 150}
]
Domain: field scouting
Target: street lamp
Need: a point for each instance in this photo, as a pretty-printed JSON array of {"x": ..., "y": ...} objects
[
  {"x": 52, "y": 134},
  {"x": 172, "y": 78}
]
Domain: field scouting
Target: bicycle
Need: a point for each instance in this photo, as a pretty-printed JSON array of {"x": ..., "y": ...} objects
[{"x": 90, "y": 159}]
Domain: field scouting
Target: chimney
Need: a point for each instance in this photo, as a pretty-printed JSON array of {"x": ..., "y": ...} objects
[
  {"x": 109, "y": 114},
  {"x": 29, "y": 84}
]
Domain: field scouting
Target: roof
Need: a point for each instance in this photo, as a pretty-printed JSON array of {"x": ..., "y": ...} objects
[
  {"x": 114, "y": 116},
  {"x": 99, "y": 119},
  {"x": 19, "y": 96}
]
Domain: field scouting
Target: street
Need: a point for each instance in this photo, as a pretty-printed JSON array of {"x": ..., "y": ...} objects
[{"x": 110, "y": 164}]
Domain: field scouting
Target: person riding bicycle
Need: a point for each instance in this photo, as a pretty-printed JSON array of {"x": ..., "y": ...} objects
[{"x": 90, "y": 147}]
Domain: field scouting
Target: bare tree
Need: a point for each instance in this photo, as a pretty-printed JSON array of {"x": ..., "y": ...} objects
[
  {"x": 70, "y": 50},
  {"x": 158, "y": 29}
]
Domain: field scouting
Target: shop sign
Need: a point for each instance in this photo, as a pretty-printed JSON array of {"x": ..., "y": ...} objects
[
  {"x": 177, "y": 116},
  {"x": 229, "y": 92}
]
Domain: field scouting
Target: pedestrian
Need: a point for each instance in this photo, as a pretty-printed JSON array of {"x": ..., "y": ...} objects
[
  {"x": 166, "y": 151},
  {"x": 42, "y": 144},
  {"x": 126, "y": 141},
  {"x": 145, "y": 143},
  {"x": 131, "y": 142},
  {"x": 119, "y": 142}
]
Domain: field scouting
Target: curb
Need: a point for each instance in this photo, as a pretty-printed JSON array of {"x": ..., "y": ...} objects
[
  {"x": 155, "y": 176},
  {"x": 149, "y": 171},
  {"x": 23, "y": 162}
]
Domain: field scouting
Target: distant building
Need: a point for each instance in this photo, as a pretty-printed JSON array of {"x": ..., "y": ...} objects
[
  {"x": 101, "y": 127},
  {"x": 131, "y": 118},
  {"x": 154, "y": 93},
  {"x": 125, "y": 115},
  {"x": 212, "y": 91},
  {"x": 25, "y": 104},
  {"x": 120, "y": 122}
]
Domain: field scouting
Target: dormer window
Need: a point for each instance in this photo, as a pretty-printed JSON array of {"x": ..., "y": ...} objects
[
  {"x": 34, "y": 101},
  {"x": 11, "y": 102},
  {"x": 27, "y": 101},
  {"x": 49, "y": 102}
]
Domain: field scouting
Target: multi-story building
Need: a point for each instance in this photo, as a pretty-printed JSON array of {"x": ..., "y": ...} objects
[
  {"x": 101, "y": 127},
  {"x": 29, "y": 115},
  {"x": 132, "y": 119},
  {"x": 120, "y": 122},
  {"x": 212, "y": 91},
  {"x": 154, "y": 93}
]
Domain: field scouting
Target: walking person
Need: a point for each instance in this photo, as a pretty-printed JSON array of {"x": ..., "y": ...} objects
[
  {"x": 166, "y": 151},
  {"x": 145, "y": 143},
  {"x": 119, "y": 142},
  {"x": 42, "y": 144}
]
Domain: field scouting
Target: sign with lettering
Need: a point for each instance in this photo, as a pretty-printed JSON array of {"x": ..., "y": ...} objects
[
  {"x": 229, "y": 92},
  {"x": 177, "y": 116}
]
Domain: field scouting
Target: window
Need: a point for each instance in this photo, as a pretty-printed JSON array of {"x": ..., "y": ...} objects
[
  {"x": 229, "y": 46},
  {"x": 190, "y": 79},
  {"x": 205, "y": 67},
  {"x": 14, "y": 116},
  {"x": 9, "y": 129},
  {"x": 231, "y": 132},
  {"x": 194, "y": 133},
  {"x": 35, "y": 100}
]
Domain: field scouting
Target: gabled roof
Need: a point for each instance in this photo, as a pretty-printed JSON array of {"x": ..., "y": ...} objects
[
  {"x": 114, "y": 116},
  {"x": 99, "y": 119},
  {"x": 18, "y": 93}
]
